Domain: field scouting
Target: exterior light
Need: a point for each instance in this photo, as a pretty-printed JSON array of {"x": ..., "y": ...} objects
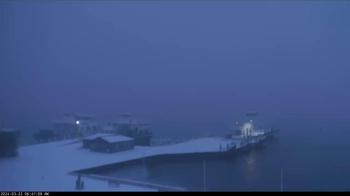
[{"x": 77, "y": 122}]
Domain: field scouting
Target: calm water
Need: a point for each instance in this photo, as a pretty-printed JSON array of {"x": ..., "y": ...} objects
[{"x": 315, "y": 157}]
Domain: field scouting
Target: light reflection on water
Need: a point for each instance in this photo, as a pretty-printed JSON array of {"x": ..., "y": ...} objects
[{"x": 311, "y": 160}]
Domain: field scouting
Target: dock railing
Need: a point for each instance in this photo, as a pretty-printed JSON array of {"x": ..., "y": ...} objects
[{"x": 158, "y": 187}]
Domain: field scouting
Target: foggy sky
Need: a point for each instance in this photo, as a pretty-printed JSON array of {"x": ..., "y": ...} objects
[{"x": 174, "y": 61}]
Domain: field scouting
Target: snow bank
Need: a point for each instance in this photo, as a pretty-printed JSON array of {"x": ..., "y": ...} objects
[{"x": 45, "y": 167}]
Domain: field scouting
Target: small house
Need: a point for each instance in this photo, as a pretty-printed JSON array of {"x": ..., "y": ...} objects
[
  {"x": 108, "y": 143},
  {"x": 87, "y": 140}
]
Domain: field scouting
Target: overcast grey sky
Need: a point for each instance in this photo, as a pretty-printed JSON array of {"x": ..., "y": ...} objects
[{"x": 193, "y": 62}]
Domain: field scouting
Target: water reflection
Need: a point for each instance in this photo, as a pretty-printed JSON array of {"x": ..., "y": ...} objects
[{"x": 309, "y": 162}]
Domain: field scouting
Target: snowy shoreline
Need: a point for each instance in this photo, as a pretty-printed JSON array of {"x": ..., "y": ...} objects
[{"x": 48, "y": 167}]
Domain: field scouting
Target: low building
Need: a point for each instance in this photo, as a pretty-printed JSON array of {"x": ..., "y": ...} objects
[
  {"x": 71, "y": 125},
  {"x": 108, "y": 143},
  {"x": 130, "y": 127},
  {"x": 89, "y": 139},
  {"x": 45, "y": 135}
]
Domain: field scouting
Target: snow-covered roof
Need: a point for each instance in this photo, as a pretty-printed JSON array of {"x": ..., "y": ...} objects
[
  {"x": 97, "y": 135},
  {"x": 116, "y": 138},
  {"x": 109, "y": 137}
]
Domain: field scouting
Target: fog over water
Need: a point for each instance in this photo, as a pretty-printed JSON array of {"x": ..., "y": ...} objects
[
  {"x": 174, "y": 62},
  {"x": 190, "y": 69}
]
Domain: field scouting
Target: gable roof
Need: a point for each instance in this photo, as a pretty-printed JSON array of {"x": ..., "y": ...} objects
[
  {"x": 116, "y": 138},
  {"x": 97, "y": 135},
  {"x": 111, "y": 138}
]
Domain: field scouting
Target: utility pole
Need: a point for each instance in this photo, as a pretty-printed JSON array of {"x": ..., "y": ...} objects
[
  {"x": 281, "y": 179},
  {"x": 204, "y": 176}
]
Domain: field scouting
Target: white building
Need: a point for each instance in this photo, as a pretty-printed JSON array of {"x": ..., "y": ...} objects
[
  {"x": 248, "y": 129},
  {"x": 72, "y": 125}
]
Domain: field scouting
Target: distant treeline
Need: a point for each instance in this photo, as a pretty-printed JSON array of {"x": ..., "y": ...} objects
[{"x": 8, "y": 143}]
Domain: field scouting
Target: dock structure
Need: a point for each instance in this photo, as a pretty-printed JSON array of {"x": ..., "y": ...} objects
[
  {"x": 159, "y": 187},
  {"x": 47, "y": 173}
]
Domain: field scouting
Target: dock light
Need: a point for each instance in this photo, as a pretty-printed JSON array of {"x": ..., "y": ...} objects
[{"x": 77, "y": 122}]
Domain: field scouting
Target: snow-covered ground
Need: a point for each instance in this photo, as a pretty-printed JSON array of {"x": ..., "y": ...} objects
[{"x": 46, "y": 167}]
